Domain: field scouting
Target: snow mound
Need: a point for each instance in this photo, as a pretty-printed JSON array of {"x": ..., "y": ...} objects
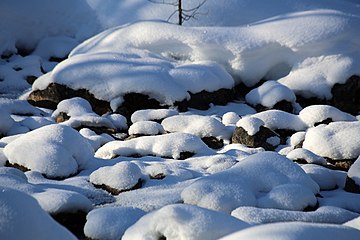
[
  {"x": 296, "y": 231},
  {"x": 277, "y": 119},
  {"x": 354, "y": 171},
  {"x": 316, "y": 114},
  {"x": 168, "y": 145},
  {"x": 6, "y": 122},
  {"x": 165, "y": 61},
  {"x": 230, "y": 118},
  {"x": 338, "y": 140},
  {"x": 202, "y": 126},
  {"x": 80, "y": 113},
  {"x": 152, "y": 115},
  {"x": 110, "y": 222},
  {"x": 327, "y": 214},
  {"x": 326, "y": 178},
  {"x": 250, "y": 124},
  {"x": 54, "y": 150},
  {"x": 122, "y": 176},
  {"x": 95, "y": 140},
  {"x": 268, "y": 173},
  {"x": 301, "y": 154},
  {"x": 270, "y": 93},
  {"x": 181, "y": 221},
  {"x": 146, "y": 128},
  {"x": 23, "y": 218}
]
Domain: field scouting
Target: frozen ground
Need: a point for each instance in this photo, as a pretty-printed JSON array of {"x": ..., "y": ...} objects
[{"x": 242, "y": 170}]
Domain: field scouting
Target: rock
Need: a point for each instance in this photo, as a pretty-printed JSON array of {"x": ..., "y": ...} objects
[
  {"x": 213, "y": 142},
  {"x": 259, "y": 139},
  {"x": 74, "y": 222},
  {"x": 55, "y": 93},
  {"x": 282, "y": 105},
  {"x": 347, "y": 96},
  {"x": 351, "y": 186}
]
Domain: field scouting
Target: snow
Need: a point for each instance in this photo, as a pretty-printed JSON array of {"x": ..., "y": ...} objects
[
  {"x": 122, "y": 176},
  {"x": 326, "y": 214},
  {"x": 116, "y": 220},
  {"x": 338, "y": 140},
  {"x": 23, "y": 218},
  {"x": 317, "y": 113},
  {"x": 152, "y": 115},
  {"x": 276, "y": 48},
  {"x": 146, "y": 128},
  {"x": 54, "y": 150},
  {"x": 270, "y": 93},
  {"x": 182, "y": 221},
  {"x": 241, "y": 186},
  {"x": 168, "y": 145},
  {"x": 308, "y": 156},
  {"x": 202, "y": 126},
  {"x": 296, "y": 231}
]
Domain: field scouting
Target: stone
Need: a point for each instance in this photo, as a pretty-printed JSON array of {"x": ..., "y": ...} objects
[
  {"x": 260, "y": 139},
  {"x": 347, "y": 96}
]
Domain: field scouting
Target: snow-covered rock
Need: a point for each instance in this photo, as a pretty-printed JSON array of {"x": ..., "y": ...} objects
[
  {"x": 54, "y": 150},
  {"x": 110, "y": 222},
  {"x": 337, "y": 141},
  {"x": 267, "y": 172},
  {"x": 301, "y": 154},
  {"x": 146, "y": 128},
  {"x": 182, "y": 221},
  {"x": 152, "y": 115},
  {"x": 23, "y": 218},
  {"x": 169, "y": 145}
]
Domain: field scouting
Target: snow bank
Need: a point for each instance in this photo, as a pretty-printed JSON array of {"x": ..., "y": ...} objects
[
  {"x": 54, "y": 150},
  {"x": 241, "y": 185},
  {"x": 168, "y": 145},
  {"x": 338, "y": 140},
  {"x": 110, "y": 222},
  {"x": 182, "y": 221},
  {"x": 296, "y": 231},
  {"x": 23, "y": 218}
]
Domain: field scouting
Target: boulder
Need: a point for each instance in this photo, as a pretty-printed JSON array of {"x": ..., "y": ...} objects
[{"x": 347, "y": 96}]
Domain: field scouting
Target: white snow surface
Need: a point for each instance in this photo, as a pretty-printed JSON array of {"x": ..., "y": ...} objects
[
  {"x": 152, "y": 114},
  {"x": 308, "y": 156},
  {"x": 250, "y": 124},
  {"x": 146, "y": 128},
  {"x": 181, "y": 221},
  {"x": 54, "y": 150},
  {"x": 338, "y": 140},
  {"x": 23, "y": 218},
  {"x": 296, "y": 231}
]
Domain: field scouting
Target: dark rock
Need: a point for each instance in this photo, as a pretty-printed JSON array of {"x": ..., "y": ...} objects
[
  {"x": 258, "y": 140},
  {"x": 312, "y": 208},
  {"x": 17, "y": 166},
  {"x": 62, "y": 117},
  {"x": 158, "y": 176},
  {"x": 74, "y": 222},
  {"x": 115, "y": 191},
  {"x": 342, "y": 165},
  {"x": 284, "y": 134},
  {"x": 57, "y": 59},
  {"x": 202, "y": 99},
  {"x": 213, "y": 142},
  {"x": 30, "y": 79},
  {"x": 351, "y": 186},
  {"x": 326, "y": 121},
  {"x": 55, "y": 93},
  {"x": 346, "y": 96},
  {"x": 282, "y": 105},
  {"x": 185, "y": 155}
]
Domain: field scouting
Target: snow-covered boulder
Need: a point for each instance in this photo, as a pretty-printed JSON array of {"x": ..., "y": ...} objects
[
  {"x": 326, "y": 179},
  {"x": 302, "y": 155},
  {"x": 268, "y": 173},
  {"x": 152, "y": 115},
  {"x": 337, "y": 141},
  {"x": 110, "y": 223},
  {"x": 326, "y": 214},
  {"x": 173, "y": 145},
  {"x": 56, "y": 151},
  {"x": 271, "y": 95},
  {"x": 181, "y": 221},
  {"x": 23, "y": 218},
  {"x": 296, "y": 231},
  {"x": 316, "y": 114},
  {"x": 121, "y": 177},
  {"x": 251, "y": 132},
  {"x": 146, "y": 128}
]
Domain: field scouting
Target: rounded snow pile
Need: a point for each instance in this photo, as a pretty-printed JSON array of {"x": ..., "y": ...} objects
[
  {"x": 56, "y": 151},
  {"x": 182, "y": 221}
]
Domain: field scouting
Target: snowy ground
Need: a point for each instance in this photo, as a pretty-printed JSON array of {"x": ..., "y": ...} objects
[{"x": 244, "y": 170}]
